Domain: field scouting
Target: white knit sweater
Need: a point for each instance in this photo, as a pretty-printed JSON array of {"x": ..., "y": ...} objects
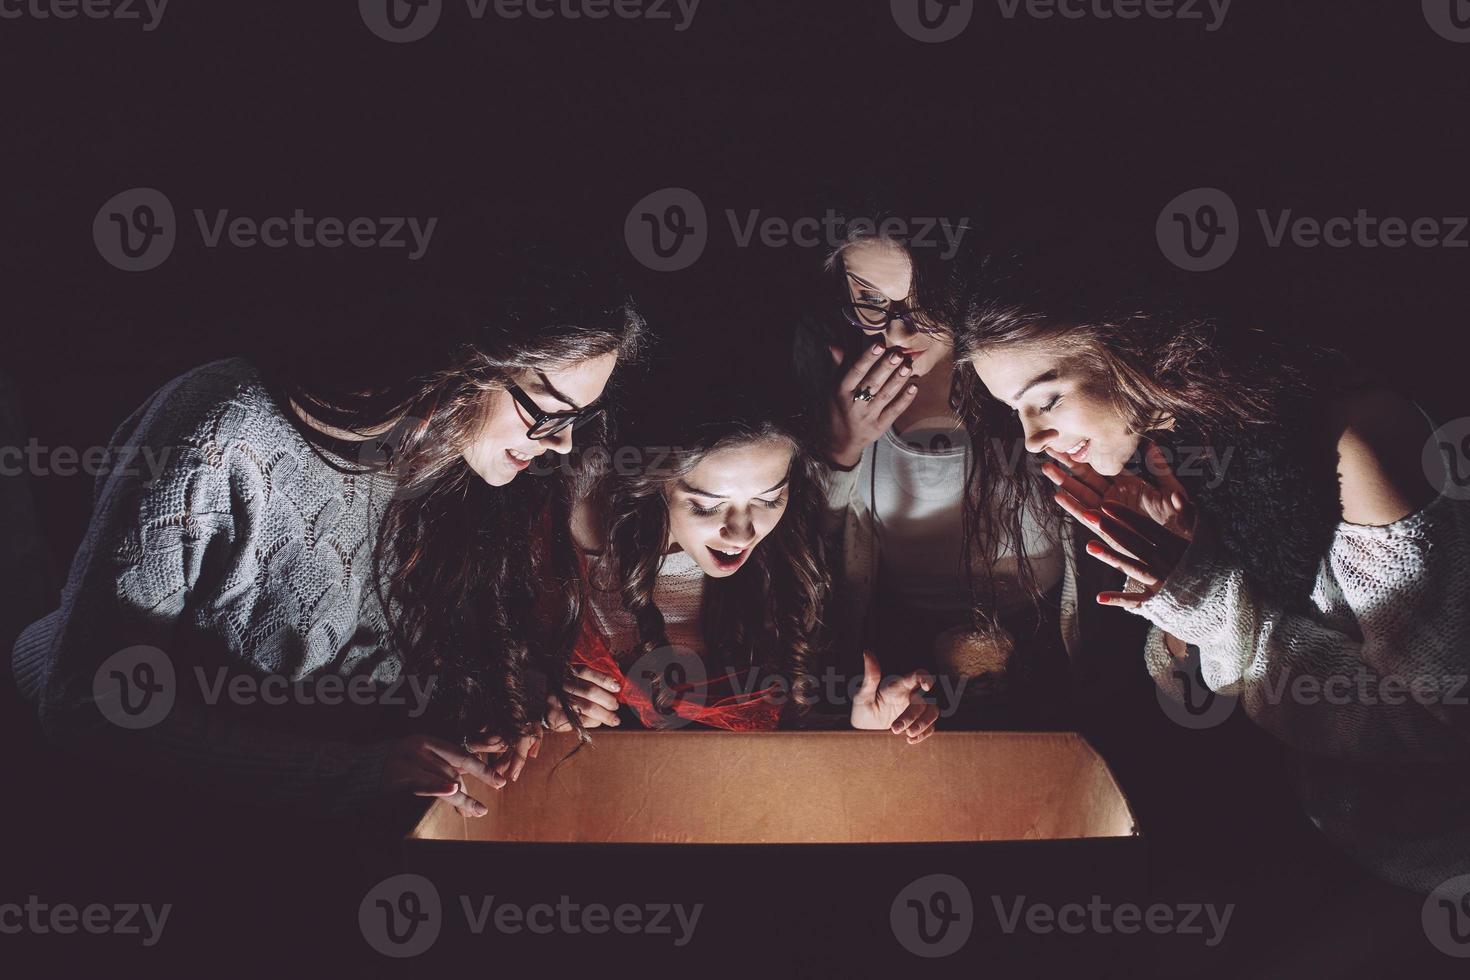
[
  {"x": 678, "y": 592},
  {"x": 1368, "y": 684},
  {"x": 249, "y": 554}
]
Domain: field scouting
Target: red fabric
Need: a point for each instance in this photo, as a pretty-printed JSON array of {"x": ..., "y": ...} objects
[{"x": 703, "y": 702}]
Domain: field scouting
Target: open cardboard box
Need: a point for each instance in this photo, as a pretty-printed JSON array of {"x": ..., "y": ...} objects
[{"x": 796, "y": 845}]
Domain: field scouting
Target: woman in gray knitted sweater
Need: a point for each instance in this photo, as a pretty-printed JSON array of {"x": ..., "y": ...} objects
[
  {"x": 1284, "y": 533},
  {"x": 326, "y": 593}
]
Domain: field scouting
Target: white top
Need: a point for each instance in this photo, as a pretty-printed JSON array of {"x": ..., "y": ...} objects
[
  {"x": 917, "y": 494},
  {"x": 677, "y": 592},
  {"x": 1388, "y": 613}
]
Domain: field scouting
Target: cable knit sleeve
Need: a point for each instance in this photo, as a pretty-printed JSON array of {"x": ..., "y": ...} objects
[
  {"x": 1376, "y": 667},
  {"x": 153, "y": 547}
]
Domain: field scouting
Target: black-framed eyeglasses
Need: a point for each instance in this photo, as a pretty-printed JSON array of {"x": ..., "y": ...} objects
[
  {"x": 545, "y": 424},
  {"x": 877, "y": 319}
]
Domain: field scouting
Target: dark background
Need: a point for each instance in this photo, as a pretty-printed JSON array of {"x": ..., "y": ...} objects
[
  {"x": 513, "y": 131},
  {"x": 509, "y": 130}
]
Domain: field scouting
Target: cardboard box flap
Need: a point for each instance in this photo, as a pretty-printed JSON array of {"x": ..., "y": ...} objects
[{"x": 800, "y": 788}]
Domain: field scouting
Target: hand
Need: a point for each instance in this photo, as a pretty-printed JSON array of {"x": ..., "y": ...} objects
[
  {"x": 428, "y": 766},
  {"x": 1144, "y": 529},
  {"x": 896, "y": 704},
  {"x": 511, "y": 763},
  {"x": 854, "y": 425},
  {"x": 593, "y": 695}
]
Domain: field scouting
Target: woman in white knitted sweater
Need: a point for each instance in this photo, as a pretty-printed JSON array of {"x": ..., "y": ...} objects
[
  {"x": 1280, "y": 535},
  {"x": 323, "y": 532}
]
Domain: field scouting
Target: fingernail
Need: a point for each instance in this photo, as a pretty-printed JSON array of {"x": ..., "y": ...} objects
[
  {"x": 894, "y": 359},
  {"x": 904, "y": 372},
  {"x": 913, "y": 389},
  {"x": 877, "y": 349}
]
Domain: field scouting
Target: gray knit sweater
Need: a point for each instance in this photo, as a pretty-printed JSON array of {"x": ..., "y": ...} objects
[{"x": 248, "y": 556}]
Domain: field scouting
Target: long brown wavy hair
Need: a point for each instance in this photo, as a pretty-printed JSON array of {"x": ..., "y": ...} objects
[
  {"x": 768, "y": 614},
  {"x": 457, "y": 562},
  {"x": 994, "y": 512},
  {"x": 1172, "y": 375}
]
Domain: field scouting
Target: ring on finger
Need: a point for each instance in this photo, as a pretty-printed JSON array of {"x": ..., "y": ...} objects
[{"x": 863, "y": 394}]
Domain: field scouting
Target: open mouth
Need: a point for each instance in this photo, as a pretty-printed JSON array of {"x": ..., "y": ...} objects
[
  {"x": 729, "y": 558},
  {"x": 1078, "y": 453},
  {"x": 519, "y": 460}
]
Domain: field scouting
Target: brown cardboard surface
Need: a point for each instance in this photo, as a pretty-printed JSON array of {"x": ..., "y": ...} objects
[{"x": 801, "y": 788}]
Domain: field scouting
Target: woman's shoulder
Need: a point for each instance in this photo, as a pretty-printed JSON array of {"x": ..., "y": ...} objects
[
  {"x": 214, "y": 402},
  {"x": 1379, "y": 435}
]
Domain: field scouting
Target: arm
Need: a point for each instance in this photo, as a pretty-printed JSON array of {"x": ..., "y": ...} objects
[
  {"x": 1376, "y": 664},
  {"x": 151, "y": 552},
  {"x": 1386, "y": 680}
]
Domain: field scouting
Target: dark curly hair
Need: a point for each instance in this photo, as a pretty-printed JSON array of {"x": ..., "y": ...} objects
[
  {"x": 1173, "y": 375},
  {"x": 769, "y": 613},
  {"x": 457, "y": 561}
]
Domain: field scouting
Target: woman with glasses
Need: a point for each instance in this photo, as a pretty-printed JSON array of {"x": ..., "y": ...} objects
[
  {"x": 704, "y": 557},
  {"x": 932, "y": 573},
  {"x": 345, "y": 521}
]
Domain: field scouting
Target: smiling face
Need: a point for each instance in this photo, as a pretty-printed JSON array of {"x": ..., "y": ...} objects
[
  {"x": 1062, "y": 401},
  {"x": 501, "y": 449},
  {"x": 721, "y": 509},
  {"x": 879, "y": 272}
]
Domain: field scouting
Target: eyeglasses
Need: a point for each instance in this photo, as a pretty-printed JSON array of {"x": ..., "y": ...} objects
[
  {"x": 877, "y": 319},
  {"x": 544, "y": 425}
]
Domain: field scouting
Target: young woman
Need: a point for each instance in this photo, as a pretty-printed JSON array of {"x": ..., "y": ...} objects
[
  {"x": 943, "y": 562},
  {"x": 1298, "y": 559},
  {"x": 708, "y": 580},
  {"x": 364, "y": 525}
]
